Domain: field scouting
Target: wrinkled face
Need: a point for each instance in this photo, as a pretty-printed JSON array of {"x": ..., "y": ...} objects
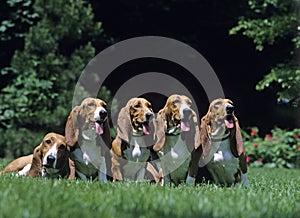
[
  {"x": 221, "y": 114},
  {"x": 54, "y": 151},
  {"x": 179, "y": 112},
  {"x": 140, "y": 114},
  {"x": 93, "y": 112}
]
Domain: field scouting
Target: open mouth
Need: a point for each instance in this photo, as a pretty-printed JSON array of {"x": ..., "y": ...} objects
[
  {"x": 229, "y": 121},
  {"x": 185, "y": 125},
  {"x": 144, "y": 127},
  {"x": 98, "y": 126}
]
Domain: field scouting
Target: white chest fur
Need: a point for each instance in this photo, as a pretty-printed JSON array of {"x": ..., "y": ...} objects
[
  {"x": 138, "y": 151},
  {"x": 88, "y": 159},
  {"x": 137, "y": 155},
  {"x": 175, "y": 159},
  {"x": 223, "y": 165}
]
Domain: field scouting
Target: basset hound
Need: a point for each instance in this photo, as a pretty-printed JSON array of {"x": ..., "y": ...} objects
[
  {"x": 130, "y": 151},
  {"x": 88, "y": 136},
  {"x": 50, "y": 159},
  {"x": 177, "y": 134},
  {"x": 223, "y": 153}
]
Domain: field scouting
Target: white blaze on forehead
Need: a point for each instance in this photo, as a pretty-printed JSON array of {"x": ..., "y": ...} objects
[
  {"x": 53, "y": 152},
  {"x": 148, "y": 110},
  {"x": 97, "y": 112}
]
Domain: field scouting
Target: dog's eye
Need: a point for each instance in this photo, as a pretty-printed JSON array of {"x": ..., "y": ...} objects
[
  {"x": 175, "y": 102},
  {"x": 137, "y": 106},
  {"x": 91, "y": 104},
  {"x": 61, "y": 147},
  {"x": 48, "y": 142}
]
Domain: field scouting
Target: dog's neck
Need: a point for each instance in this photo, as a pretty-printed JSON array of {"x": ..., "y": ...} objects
[
  {"x": 220, "y": 134},
  {"x": 89, "y": 134},
  {"x": 137, "y": 150},
  {"x": 175, "y": 130},
  {"x": 220, "y": 137}
]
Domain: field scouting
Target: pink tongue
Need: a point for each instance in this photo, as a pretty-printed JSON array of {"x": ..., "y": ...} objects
[
  {"x": 146, "y": 129},
  {"x": 229, "y": 124},
  {"x": 99, "y": 128},
  {"x": 185, "y": 127}
]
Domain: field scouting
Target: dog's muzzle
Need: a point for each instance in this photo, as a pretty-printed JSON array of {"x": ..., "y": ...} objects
[
  {"x": 229, "y": 109},
  {"x": 103, "y": 115},
  {"x": 49, "y": 161}
]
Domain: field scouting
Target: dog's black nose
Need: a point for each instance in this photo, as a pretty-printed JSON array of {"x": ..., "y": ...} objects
[
  {"x": 50, "y": 160},
  {"x": 229, "y": 109},
  {"x": 187, "y": 112},
  {"x": 103, "y": 114},
  {"x": 148, "y": 115}
]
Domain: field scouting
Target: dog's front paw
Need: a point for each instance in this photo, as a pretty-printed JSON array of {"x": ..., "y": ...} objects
[{"x": 190, "y": 180}]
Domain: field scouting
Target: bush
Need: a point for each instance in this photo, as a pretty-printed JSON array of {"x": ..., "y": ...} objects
[
  {"x": 281, "y": 148},
  {"x": 19, "y": 142}
]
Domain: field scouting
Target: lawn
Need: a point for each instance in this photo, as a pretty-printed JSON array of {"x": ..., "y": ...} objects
[{"x": 273, "y": 193}]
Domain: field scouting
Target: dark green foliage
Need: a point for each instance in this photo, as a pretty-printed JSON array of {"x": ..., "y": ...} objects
[
  {"x": 275, "y": 22},
  {"x": 45, "y": 71}
]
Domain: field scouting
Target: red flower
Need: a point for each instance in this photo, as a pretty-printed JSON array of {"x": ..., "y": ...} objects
[
  {"x": 296, "y": 136},
  {"x": 269, "y": 137},
  {"x": 260, "y": 160},
  {"x": 255, "y": 145},
  {"x": 298, "y": 148},
  {"x": 253, "y": 132},
  {"x": 248, "y": 159}
]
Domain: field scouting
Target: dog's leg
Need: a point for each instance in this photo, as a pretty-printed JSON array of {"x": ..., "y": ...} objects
[
  {"x": 157, "y": 175},
  {"x": 24, "y": 171},
  {"x": 193, "y": 166},
  {"x": 140, "y": 176},
  {"x": 244, "y": 180},
  {"x": 81, "y": 175},
  {"x": 115, "y": 167},
  {"x": 72, "y": 169},
  {"x": 102, "y": 170}
]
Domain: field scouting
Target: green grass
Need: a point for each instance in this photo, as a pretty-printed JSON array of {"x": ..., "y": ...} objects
[{"x": 273, "y": 193}]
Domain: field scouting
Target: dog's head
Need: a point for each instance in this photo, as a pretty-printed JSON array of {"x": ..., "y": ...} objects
[
  {"x": 177, "y": 117},
  {"x": 135, "y": 118},
  {"x": 50, "y": 156},
  {"x": 218, "y": 122},
  {"x": 91, "y": 114},
  {"x": 220, "y": 116}
]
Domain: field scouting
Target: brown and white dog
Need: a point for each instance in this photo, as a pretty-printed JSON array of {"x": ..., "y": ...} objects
[
  {"x": 224, "y": 153},
  {"x": 177, "y": 133},
  {"x": 129, "y": 149},
  {"x": 50, "y": 159},
  {"x": 88, "y": 135}
]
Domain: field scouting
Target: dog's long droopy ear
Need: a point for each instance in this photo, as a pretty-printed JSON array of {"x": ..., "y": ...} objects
[
  {"x": 197, "y": 141},
  {"x": 71, "y": 129},
  {"x": 192, "y": 137},
  {"x": 106, "y": 137},
  {"x": 159, "y": 133},
  {"x": 237, "y": 146},
  {"x": 204, "y": 134},
  {"x": 36, "y": 164},
  {"x": 124, "y": 125}
]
